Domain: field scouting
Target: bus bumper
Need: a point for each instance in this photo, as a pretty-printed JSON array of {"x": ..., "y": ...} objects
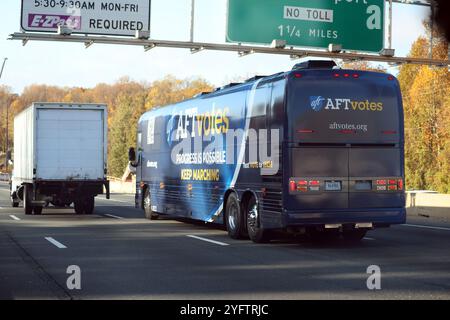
[{"x": 380, "y": 217}]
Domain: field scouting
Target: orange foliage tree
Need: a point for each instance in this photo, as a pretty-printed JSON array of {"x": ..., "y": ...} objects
[{"x": 426, "y": 98}]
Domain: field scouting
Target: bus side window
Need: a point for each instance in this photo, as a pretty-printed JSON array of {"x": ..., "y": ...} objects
[
  {"x": 276, "y": 114},
  {"x": 258, "y": 121},
  {"x": 155, "y": 128},
  {"x": 260, "y": 106}
]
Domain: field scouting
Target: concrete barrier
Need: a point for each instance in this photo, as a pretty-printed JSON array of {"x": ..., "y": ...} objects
[
  {"x": 428, "y": 204},
  {"x": 119, "y": 186}
]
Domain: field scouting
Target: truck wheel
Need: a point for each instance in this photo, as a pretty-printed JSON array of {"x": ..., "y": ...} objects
[
  {"x": 27, "y": 195},
  {"x": 234, "y": 218},
  {"x": 89, "y": 204},
  {"x": 37, "y": 210},
  {"x": 354, "y": 236},
  {"x": 14, "y": 200},
  {"x": 149, "y": 214},
  {"x": 255, "y": 232},
  {"x": 79, "y": 206}
]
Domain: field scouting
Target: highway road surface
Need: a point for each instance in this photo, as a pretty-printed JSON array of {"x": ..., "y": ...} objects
[{"x": 121, "y": 255}]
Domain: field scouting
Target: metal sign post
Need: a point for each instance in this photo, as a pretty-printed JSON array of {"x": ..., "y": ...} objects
[
  {"x": 195, "y": 46},
  {"x": 7, "y": 116}
]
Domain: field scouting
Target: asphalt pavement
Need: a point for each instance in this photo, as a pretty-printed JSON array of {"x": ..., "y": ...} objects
[{"x": 121, "y": 255}]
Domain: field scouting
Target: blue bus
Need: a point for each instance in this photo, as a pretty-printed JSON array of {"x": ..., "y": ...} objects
[{"x": 317, "y": 150}]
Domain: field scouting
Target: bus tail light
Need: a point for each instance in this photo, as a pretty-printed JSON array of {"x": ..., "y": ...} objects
[
  {"x": 389, "y": 184},
  {"x": 301, "y": 185},
  {"x": 292, "y": 186},
  {"x": 346, "y": 75},
  {"x": 302, "y": 189}
]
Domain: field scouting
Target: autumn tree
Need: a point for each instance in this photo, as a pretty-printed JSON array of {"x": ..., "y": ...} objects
[
  {"x": 123, "y": 132},
  {"x": 426, "y": 98},
  {"x": 171, "y": 90},
  {"x": 362, "y": 65}
]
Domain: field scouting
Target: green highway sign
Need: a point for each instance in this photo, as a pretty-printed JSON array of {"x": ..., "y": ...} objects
[{"x": 355, "y": 24}]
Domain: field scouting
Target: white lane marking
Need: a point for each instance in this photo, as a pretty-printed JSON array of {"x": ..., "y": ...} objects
[
  {"x": 14, "y": 217},
  {"x": 121, "y": 201},
  {"x": 208, "y": 240},
  {"x": 113, "y": 216},
  {"x": 55, "y": 243},
  {"x": 369, "y": 239},
  {"x": 424, "y": 227}
]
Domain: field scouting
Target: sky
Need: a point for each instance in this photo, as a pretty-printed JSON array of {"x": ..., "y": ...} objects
[{"x": 64, "y": 64}]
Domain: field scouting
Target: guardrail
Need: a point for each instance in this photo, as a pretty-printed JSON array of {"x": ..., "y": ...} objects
[
  {"x": 118, "y": 186},
  {"x": 428, "y": 204}
]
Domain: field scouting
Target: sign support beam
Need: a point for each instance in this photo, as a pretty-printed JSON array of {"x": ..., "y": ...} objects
[
  {"x": 192, "y": 20},
  {"x": 290, "y": 51}
]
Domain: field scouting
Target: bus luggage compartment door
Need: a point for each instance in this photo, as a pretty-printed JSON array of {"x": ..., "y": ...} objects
[
  {"x": 375, "y": 177},
  {"x": 318, "y": 178}
]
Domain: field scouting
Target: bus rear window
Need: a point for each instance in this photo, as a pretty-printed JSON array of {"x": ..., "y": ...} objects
[{"x": 322, "y": 109}]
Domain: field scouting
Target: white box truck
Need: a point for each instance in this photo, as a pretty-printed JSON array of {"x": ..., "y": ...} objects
[{"x": 60, "y": 156}]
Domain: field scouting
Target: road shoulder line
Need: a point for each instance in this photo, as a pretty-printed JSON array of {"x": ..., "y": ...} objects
[{"x": 207, "y": 240}]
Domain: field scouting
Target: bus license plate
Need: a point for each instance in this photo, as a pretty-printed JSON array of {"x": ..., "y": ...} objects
[{"x": 332, "y": 186}]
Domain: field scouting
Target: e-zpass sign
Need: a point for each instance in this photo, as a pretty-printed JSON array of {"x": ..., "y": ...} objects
[{"x": 101, "y": 17}]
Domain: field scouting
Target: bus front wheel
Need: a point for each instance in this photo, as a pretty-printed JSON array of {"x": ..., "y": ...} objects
[
  {"x": 149, "y": 213},
  {"x": 234, "y": 218},
  {"x": 255, "y": 232}
]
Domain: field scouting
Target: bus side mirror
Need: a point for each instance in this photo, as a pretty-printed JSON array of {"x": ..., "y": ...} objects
[
  {"x": 8, "y": 155},
  {"x": 132, "y": 155}
]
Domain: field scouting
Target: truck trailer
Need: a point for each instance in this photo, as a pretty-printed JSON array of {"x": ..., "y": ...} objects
[{"x": 60, "y": 156}]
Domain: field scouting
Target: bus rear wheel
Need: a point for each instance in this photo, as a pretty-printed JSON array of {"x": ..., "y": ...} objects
[
  {"x": 149, "y": 213},
  {"x": 234, "y": 218},
  {"x": 255, "y": 232}
]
